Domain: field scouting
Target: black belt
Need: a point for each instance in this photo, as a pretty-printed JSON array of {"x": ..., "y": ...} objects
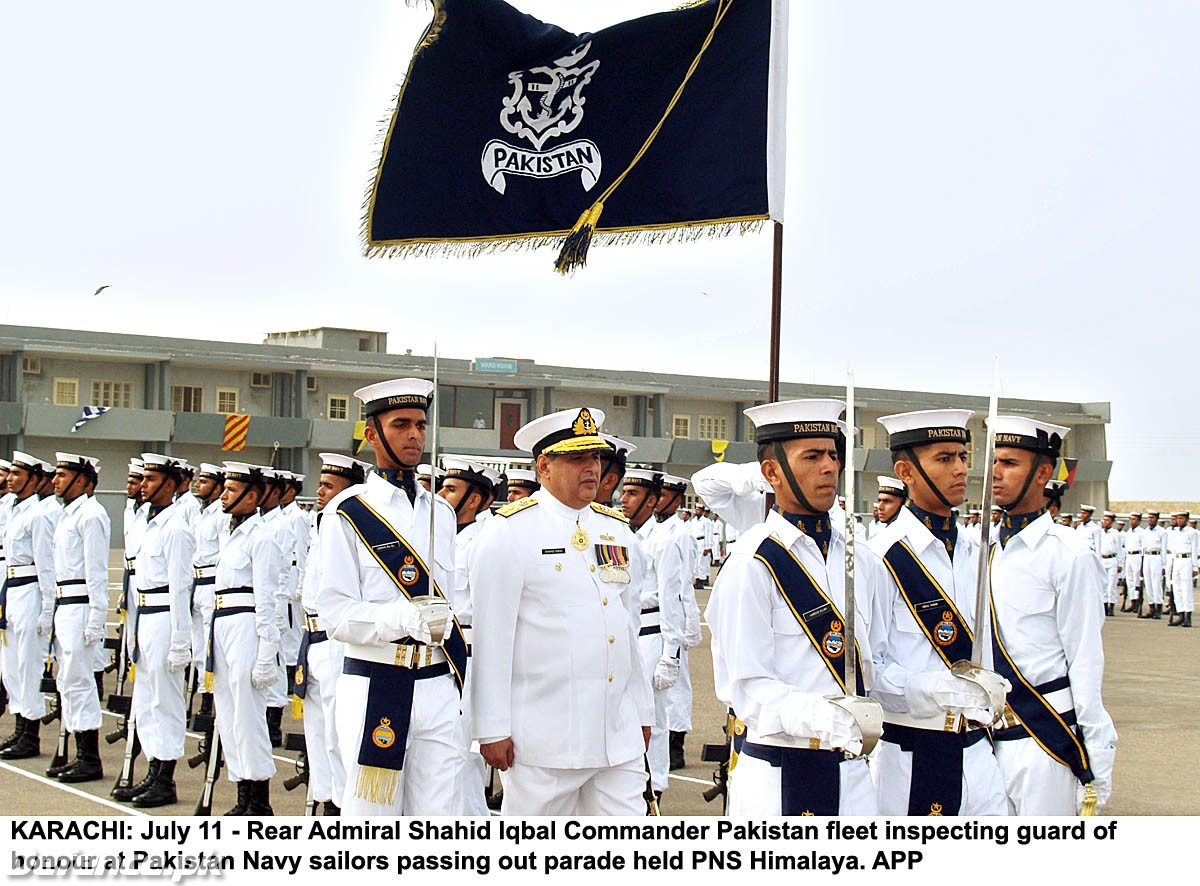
[
  {"x": 358, "y": 668},
  {"x": 317, "y": 636},
  {"x": 20, "y": 582},
  {"x": 67, "y": 601},
  {"x": 1012, "y": 733},
  {"x": 207, "y": 580},
  {"x": 153, "y": 610},
  {"x": 650, "y": 629},
  {"x": 907, "y": 737}
]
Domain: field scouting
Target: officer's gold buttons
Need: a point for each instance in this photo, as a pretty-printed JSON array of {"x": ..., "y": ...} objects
[
  {"x": 605, "y": 601},
  {"x": 610, "y": 678},
  {"x": 612, "y": 639},
  {"x": 592, "y": 568}
]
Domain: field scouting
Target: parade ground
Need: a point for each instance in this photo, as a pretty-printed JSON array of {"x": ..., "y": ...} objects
[{"x": 1151, "y": 681}]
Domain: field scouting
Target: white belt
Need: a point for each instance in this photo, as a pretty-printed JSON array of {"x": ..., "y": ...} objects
[
  {"x": 1133, "y": 553},
  {"x": 21, "y": 571},
  {"x": 783, "y": 740},
  {"x": 1107, "y": 556},
  {"x": 1153, "y": 553},
  {"x": 1061, "y": 700},
  {"x": 203, "y": 571},
  {"x": 398, "y": 654},
  {"x": 226, "y": 599},
  {"x": 651, "y": 619},
  {"x": 314, "y": 622},
  {"x": 947, "y": 722},
  {"x": 1183, "y": 555}
]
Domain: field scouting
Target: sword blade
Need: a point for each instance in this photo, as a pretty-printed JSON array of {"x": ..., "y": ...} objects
[
  {"x": 433, "y": 460},
  {"x": 848, "y": 491},
  {"x": 985, "y": 522}
]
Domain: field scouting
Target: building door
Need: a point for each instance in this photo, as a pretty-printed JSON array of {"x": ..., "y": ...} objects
[{"x": 510, "y": 421}]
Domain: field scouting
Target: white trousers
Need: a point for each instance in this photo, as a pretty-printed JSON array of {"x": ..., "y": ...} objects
[
  {"x": 679, "y": 698},
  {"x": 240, "y": 708},
  {"x": 1152, "y": 578},
  {"x": 1110, "y": 584},
  {"x": 24, "y": 652},
  {"x": 610, "y": 790},
  {"x": 1181, "y": 584},
  {"x": 982, "y": 781},
  {"x": 472, "y": 781},
  {"x": 658, "y": 754},
  {"x": 326, "y": 771},
  {"x": 202, "y": 610},
  {"x": 1036, "y": 784},
  {"x": 76, "y": 679},
  {"x": 433, "y": 758},
  {"x": 703, "y": 565},
  {"x": 1133, "y": 575},
  {"x": 755, "y": 789},
  {"x": 290, "y": 636},
  {"x": 159, "y": 700}
]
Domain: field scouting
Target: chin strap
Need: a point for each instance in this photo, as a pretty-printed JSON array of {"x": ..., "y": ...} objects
[
  {"x": 916, "y": 462},
  {"x": 781, "y": 457}
]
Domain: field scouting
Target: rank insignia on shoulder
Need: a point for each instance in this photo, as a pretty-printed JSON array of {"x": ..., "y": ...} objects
[
  {"x": 516, "y": 507},
  {"x": 609, "y": 512}
]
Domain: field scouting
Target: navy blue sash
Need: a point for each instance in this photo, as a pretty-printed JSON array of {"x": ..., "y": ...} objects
[
  {"x": 405, "y": 568},
  {"x": 1062, "y": 741},
  {"x": 815, "y": 612},
  {"x": 300, "y": 681},
  {"x": 940, "y": 620},
  {"x": 935, "y": 786},
  {"x": 11, "y": 583},
  {"x": 810, "y": 782}
]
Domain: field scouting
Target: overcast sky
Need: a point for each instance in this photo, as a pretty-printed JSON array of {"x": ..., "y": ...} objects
[{"x": 964, "y": 180}]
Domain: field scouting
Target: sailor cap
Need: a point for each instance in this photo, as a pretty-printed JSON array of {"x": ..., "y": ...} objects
[
  {"x": 164, "y": 464},
  {"x": 644, "y": 477},
  {"x": 675, "y": 484},
  {"x": 892, "y": 486},
  {"x": 619, "y": 450},
  {"x": 797, "y": 419},
  {"x": 926, "y": 426},
  {"x": 1018, "y": 432},
  {"x": 522, "y": 477},
  {"x": 29, "y": 463},
  {"x": 396, "y": 393},
  {"x": 471, "y": 471},
  {"x": 344, "y": 466},
  {"x": 243, "y": 472},
  {"x": 568, "y": 430}
]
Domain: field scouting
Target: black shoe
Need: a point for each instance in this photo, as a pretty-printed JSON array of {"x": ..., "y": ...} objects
[
  {"x": 331, "y": 808},
  {"x": 87, "y": 765},
  {"x": 28, "y": 745},
  {"x": 675, "y": 745},
  {"x": 1157, "y": 612},
  {"x": 56, "y": 771},
  {"x": 127, "y": 794},
  {"x": 162, "y": 790},
  {"x": 17, "y": 732},
  {"x": 1148, "y": 613},
  {"x": 3, "y": 700},
  {"x": 1187, "y": 619},
  {"x": 243, "y": 798},
  {"x": 275, "y": 726},
  {"x": 260, "y": 798}
]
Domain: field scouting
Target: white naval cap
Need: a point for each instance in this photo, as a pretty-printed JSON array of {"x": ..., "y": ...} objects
[
  {"x": 523, "y": 477},
  {"x": 1018, "y": 432},
  {"x": 424, "y": 470},
  {"x": 892, "y": 486},
  {"x": 211, "y": 471},
  {"x": 568, "y": 430},
  {"x": 1055, "y": 486},
  {"x": 29, "y": 463},
  {"x": 1151, "y": 512},
  {"x": 186, "y": 466},
  {"x": 619, "y": 450},
  {"x": 5, "y": 464},
  {"x": 926, "y": 426},
  {"x": 470, "y": 471},
  {"x": 344, "y": 466},
  {"x": 164, "y": 464},
  {"x": 796, "y": 419},
  {"x": 82, "y": 463},
  {"x": 136, "y": 467},
  {"x": 976, "y": 512},
  {"x": 1110, "y": 514},
  {"x": 1091, "y": 509},
  {"x": 396, "y": 393},
  {"x": 675, "y": 484},
  {"x": 644, "y": 477},
  {"x": 243, "y": 472}
]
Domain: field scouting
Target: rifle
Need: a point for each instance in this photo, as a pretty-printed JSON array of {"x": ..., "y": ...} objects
[
  {"x": 294, "y": 741},
  {"x": 60, "y": 752},
  {"x": 204, "y": 804}
]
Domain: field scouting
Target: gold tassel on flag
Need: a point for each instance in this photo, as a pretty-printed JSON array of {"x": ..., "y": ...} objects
[
  {"x": 297, "y": 708},
  {"x": 376, "y": 785},
  {"x": 208, "y": 681},
  {"x": 1090, "y": 800},
  {"x": 575, "y": 248},
  {"x": 132, "y": 670}
]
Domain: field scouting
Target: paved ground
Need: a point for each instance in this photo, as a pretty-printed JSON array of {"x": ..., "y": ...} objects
[{"x": 1152, "y": 680}]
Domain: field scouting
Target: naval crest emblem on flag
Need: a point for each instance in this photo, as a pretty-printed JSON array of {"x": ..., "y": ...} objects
[{"x": 547, "y": 101}]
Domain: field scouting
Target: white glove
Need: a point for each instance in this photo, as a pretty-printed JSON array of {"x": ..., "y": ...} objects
[
  {"x": 691, "y": 632},
  {"x": 810, "y": 716},
  {"x": 45, "y": 622},
  {"x": 1102, "y": 764},
  {"x": 93, "y": 634},
  {"x": 930, "y": 693},
  {"x": 666, "y": 672},
  {"x": 400, "y": 619},
  {"x": 264, "y": 674},
  {"x": 180, "y": 654}
]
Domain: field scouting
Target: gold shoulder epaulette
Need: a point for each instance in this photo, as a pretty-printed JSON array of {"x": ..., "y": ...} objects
[
  {"x": 516, "y": 507},
  {"x": 609, "y": 512}
]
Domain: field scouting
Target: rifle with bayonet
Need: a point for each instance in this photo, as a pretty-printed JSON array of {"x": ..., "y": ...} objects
[
  {"x": 204, "y": 804},
  {"x": 294, "y": 741}
]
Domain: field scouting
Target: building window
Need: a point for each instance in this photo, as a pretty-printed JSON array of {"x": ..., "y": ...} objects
[
  {"x": 681, "y": 427},
  {"x": 461, "y": 407},
  {"x": 31, "y": 365},
  {"x": 339, "y": 408},
  {"x": 112, "y": 393},
  {"x": 66, "y": 392},
  {"x": 187, "y": 398},
  {"x": 311, "y": 383},
  {"x": 870, "y": 435},
  {"x": 362, "y": 411},
  {"x": 712, "y": 427},
  {"x": 260, "y": 379},
  {"x": 620, "y": 401},
  {"x": 364, "y": 344},
  {"x": 227, "y": 401},
  {"x": 751, "y": 430}
]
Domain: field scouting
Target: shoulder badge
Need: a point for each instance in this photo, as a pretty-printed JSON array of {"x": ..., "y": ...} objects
[
  {"x": 609, "y": 512},
  {"x": 516, "y": 507}
]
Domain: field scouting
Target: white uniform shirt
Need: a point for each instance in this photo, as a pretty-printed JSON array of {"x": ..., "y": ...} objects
[
  {"x": 250, "y": 558},
  {"x": 1091, "y": 531},
  {"x": 208, "y": 529},
  {"x": 1154, "y": 539},
  {"x": 556, "y": 660},
  {"x": 738, "y": 493},
  {"x": 761, "y": 655},
  {"x": 188, "y": 507},
  {"x": 1048, "y": 590},
  {"x": 301, "y": 526},
  {"x": 1112, "y": 547},
  {"x": 29, "y": 539},
  {"x": 81, "y": 542},
  {"x": 353, "y": 586},
  {"x": 280, "y": 526},
  {"x": 664, "y": 576},
  {"x": 165, "y": 559},
  {"x": 899, "y": 644},
  {"x": 1133, "y": 539}
]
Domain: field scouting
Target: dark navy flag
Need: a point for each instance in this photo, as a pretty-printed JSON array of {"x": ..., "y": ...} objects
[
  {"x": 510, "y": 129},
  {"x": 89, "y": 413}
]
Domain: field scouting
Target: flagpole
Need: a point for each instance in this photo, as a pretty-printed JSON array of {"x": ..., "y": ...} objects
[{"x": 776, "y": 310}]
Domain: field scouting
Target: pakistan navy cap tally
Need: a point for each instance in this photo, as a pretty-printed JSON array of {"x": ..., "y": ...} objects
[
  {"x": 797, "y": 419},
  {"x": 242, "y": 472},
  {"x": 907, "y": 429},
  {"x": 892, "y": 486},
  {"x": 674, "y": 484},
  {"x": 163, "y": 464},
  {"x": 82, "y": 464},
  {"x": 644, "y": 477},
  {"x": 523, "y": 478},
  {"x": 210, "y": 471},
  {"x": 344, "y": 466},
  {"x": 569, "y": 430},
  {"x": 471, "y": 472},
  {"x": 27, "y": 462},
  {"x": 618, "y": 450},
  {"x": 1018, "y": 432},
  {"x": 397, "y": 393}
]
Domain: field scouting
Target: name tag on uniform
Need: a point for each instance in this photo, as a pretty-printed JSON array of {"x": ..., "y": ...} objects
[{"x": 554, "y": 550}]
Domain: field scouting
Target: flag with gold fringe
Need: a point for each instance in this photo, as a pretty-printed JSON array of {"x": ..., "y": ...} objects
[{"x": 510, "y": 131}]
